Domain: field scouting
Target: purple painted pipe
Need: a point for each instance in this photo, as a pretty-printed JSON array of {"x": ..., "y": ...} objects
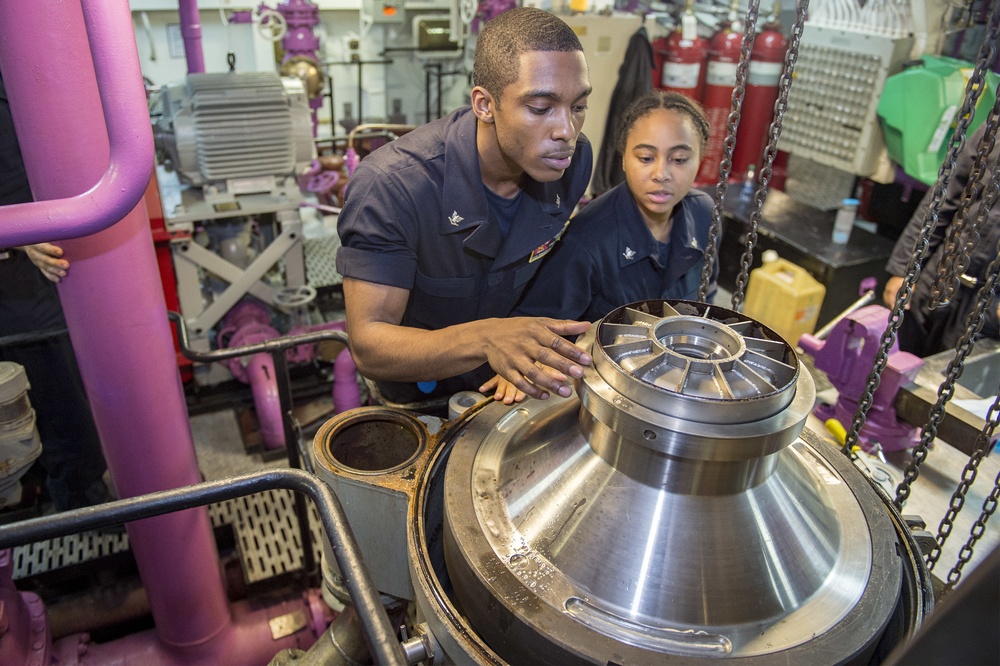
[
  {"x": 25, "y": 638},
  {"x": 116, "y": 317},
  {"x": 266, "y": 401},
  {"x": 246, "y": 640},
  {"x": 346, "y": 394},
  {"x": 191, "y": 32},
  {"x": 248, "y": 323},
  {"x": 97, "y": 202},
  {"x": 115, "y": 309}
]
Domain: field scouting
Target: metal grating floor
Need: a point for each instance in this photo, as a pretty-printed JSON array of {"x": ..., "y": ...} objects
[
  {"x": 267, "y": 534},
  {"x": 267, "y": 538},
  {"x": 45, "y": 556},
  {"x": 264, "y": 524}
]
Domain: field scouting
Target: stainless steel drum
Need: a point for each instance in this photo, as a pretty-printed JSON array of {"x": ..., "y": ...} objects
[{"x": 671, "y": 510}]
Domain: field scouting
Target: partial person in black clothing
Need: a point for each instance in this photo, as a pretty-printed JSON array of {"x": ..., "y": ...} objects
[
  {"x": 29, "y": 303},
  {"x": 926, "y": 331}
]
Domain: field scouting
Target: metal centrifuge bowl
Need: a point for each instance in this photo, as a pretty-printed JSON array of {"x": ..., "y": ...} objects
[{"x": 672, "y": 509}]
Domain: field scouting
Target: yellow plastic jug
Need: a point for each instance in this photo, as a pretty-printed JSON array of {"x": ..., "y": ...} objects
[{"x": 784, "y": 296}]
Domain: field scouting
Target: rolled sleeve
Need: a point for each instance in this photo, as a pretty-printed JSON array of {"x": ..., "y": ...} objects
[{"x": 376, "y": 245}]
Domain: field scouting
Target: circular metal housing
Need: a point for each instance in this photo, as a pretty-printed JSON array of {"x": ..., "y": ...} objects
[{"x": 670, "y": 510}]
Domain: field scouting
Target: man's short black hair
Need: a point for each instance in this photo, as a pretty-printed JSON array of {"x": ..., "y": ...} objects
[{"x": 507, "y": 36}]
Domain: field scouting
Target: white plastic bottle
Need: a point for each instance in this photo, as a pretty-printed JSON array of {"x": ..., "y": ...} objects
[{"x": 844, "y": 222}]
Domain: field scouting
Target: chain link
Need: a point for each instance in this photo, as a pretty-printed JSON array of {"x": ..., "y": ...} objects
[
  {"x": 726, "y": 165},
  {"x": 771, "y": 150},
  {"x": 974, "y": 323},
  {"x": 917, "y": 257},
  {"x": 978, "y": 529},
  {"x": 983, "y": 444},
  {"x": 956, "y": 253}
]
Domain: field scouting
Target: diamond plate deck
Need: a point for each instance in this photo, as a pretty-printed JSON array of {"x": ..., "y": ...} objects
[{"x": 321, "y": 261}]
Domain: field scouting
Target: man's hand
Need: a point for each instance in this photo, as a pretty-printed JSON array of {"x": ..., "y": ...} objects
[
  {"x": 531, "y": 354},
  {"x": 48, "y": 258}
]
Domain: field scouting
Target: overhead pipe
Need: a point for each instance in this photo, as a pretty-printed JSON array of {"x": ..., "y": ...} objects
[
  {"x": 116, "y": 316},
  {"x": 96, "y": 203},
  {"x": 114, "y": 306},
  {"x": 191, "y": 34}
]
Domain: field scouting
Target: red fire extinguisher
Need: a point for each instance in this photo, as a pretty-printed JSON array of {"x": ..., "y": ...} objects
[
  {"x": 723, "y": 59},
  {"x": 681, "y": 57},
  {"x": 766, "y": 64}
]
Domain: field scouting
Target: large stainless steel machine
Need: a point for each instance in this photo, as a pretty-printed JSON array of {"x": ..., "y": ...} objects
[{"x": 675, "y": 509}]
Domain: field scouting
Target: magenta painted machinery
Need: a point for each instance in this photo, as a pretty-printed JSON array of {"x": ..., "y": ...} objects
[
  {"x": 846, "y": 356},
  {"x": 249, "y": 323}
]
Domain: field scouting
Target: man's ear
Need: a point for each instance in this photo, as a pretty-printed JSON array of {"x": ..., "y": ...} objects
[{"x": 483, "y": 104}]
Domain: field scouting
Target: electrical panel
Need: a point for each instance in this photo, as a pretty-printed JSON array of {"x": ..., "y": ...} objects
[{"x": 831, "y": 115}]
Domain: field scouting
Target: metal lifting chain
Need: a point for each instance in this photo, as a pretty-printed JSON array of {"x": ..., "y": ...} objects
[
  {"x": 918, "y": 256},
  {"x": 956, "y": 253},
  {"x": 984, "y": 442},
  {"x": 974, "y": 323},
  {"x": 764, "y": 176},
  {"x": 978, "y": 529},
  {"x": 726, "y": 165}
]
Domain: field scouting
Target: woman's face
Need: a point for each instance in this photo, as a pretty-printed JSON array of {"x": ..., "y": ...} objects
[{"x": 662, "y": 152}]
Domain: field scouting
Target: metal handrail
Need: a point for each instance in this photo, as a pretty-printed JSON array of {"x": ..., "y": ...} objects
[
  {"x": 282, "y": 343},
  {"x": 378, "y": 630}
]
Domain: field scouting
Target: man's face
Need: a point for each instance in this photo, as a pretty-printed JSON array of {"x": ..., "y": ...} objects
[{"x": 540, "y": 115}]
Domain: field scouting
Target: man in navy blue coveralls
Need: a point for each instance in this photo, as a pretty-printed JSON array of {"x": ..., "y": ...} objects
[{"x": 442, "y": 229}]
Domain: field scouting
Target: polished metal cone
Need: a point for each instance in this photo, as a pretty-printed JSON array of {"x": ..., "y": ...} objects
[{"x": 671, "y": 509}]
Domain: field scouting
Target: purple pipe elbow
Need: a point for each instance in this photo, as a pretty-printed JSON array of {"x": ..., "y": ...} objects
[
  {"x": 113, "y": 298},
  {"x": 346, "y": 392},
  {"x": 267, "y": 403},
  {"x": 130, "y": 165}
]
